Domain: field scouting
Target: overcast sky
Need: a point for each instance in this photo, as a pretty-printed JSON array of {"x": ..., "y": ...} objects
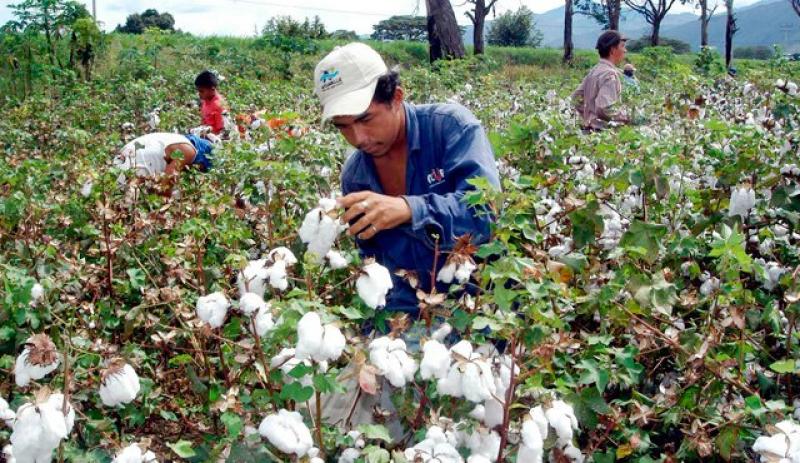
[{"x": 243, "y": 17}]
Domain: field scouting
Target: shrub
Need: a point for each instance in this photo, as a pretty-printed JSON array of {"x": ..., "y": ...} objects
[{"x": 677, "y": 46}]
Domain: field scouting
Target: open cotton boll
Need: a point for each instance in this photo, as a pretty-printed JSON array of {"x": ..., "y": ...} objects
[
  {"x": 435, "y": 361},
  {"x": 451, "y": 384},
  {"x": 287, "y": 432},
  {"x": 37, "y": 360},
  {"x": 284, "y": 254},
  {"x": 120, "y": 384},
  {"x": 309, "y": 335},
  {"x": 442, "y": 332},
  {"x": 40, "y": 427},
  {"x": 213, "y": 308},
  {"x": 349, "y": 455},
  {"x": 251, "y": 303},
  {"x": 390, "y": 357},
  {"x": 477, "y": 381},
  {"x": 253, "y": 279},
  {"x": 37, "y": 293},
  {"x": 7, "y": 415},
  {"x": 532, "y": 448},
  {"x": 134, "y": 454},
  {"x": 742, "y": 200},
  {"x": 8, "y": 454},
  {"x": 432, "y": 450},
  {"x": 263, "y": 320},
  {"x": 278, "y": 277},
  {"x": 562, "y": 418},
  {"x": 319, "y": 230},
  {"x": 447, "y": 273},
  {"x": 540, "y": 420},
  {"x": 483, "y": 442},
  {"x": 332, "y": 345},
  {"x": 336, "y": 260},
  {"x": 373, "y": 284},
  {"x": 573, "y": 453}
]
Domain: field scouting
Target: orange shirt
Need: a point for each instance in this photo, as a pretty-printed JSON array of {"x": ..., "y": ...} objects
[{"x": 211, "y": 113}]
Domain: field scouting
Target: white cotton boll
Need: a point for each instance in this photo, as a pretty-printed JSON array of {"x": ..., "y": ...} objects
[
  {"x": 8, "y": 454},
  {"x": 37, "y": 294},
  {"x": 213, "y": 308},
  {"x": 773, "y": 271},
  {"x": 779, "y": 230},
  {"x": 278, "y": 277},
  {"x": 120, "y": 385},
  {"x": 284, "y": 254},
  {"x": 263, "y": 321},
  {"x": 251, "y": 303},
  {"x": 373, "y": 285},
  {"x": 477, "y": 413},
  {"x": 472, "y": 383},
  {"x": 86, "y": 188},
  {"x": 561, "y": 250},
  {"x": 319, "y": 230},
  {"x": 478, "y": 459},
  {"x": 7, "y": 415},
  {"x": 336, "y": 260},
  {"x": 562, "y": 418},
  {"x": 709, "y": 286},
  {"x": 462, "y": 348},
  {"x": 494, "y": 411},
  {"x": 791, "y": 88},
  {"x": 776, "y": 445},
  {"x": 742, "y": 200},
  {"x": 309, "y": 335},
  {"x": 435, "y": 361},
  {"x": 540, "y": 420},
  {"x": 37, "y": 360},
  {"x": 484, "y": 443},
  {"x": 39, "y": 428},
  {"x": 573, "y": 453},
  {"x": 316, "y": 460},
  {"x": 442, "y": 332},
  {"x": 447, "y": 273},
  {"x": 464, "y": 271},
  {"x": 532, "y": 443},
  {"x": 390, "y": 357},
  {"x": 253, "y": 279},
  {"x": 134, "y": 454},
  {"x": 451, "y": 384},
  {"x": 349, "y": 455},
  {"x": 332, "y": 345},
  {"x": 287, "y": 432}
]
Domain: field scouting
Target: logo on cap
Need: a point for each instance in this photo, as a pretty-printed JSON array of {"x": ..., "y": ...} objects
[{"x": 329, "y": 79}]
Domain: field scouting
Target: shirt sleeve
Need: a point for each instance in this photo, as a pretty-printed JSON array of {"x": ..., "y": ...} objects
[
  {"x": 468, "y": 155},
  {"x": 607, "y": 96}
]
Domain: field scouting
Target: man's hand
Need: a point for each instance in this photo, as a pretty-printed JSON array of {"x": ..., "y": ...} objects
[{"x": 380, "y": 212}]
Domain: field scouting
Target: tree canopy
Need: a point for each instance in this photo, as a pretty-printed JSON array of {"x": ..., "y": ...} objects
[
  {"x": 137, "y": 23},
  {"x": 414, "y": 28},
  {"x": 515, "y": 29}
]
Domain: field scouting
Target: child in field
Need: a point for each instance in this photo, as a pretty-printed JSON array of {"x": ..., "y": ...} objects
[{"x": 212, "y": 104}]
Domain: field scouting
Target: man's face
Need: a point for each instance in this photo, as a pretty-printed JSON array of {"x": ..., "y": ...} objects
[
  {"x": 617, "y": 54},
  {"x": 206, "y": 93},
  {"x": 375, "y": 130}
]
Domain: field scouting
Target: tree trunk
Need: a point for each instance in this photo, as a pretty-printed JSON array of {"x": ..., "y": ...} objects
[
  {"x": 796, "y": 6},
  {"x": 568, "y": 31},
  {"x": 613, "y": 7},
  {"x": 703, "y": 23},
  {"x": 654, "y": 36},
  {"x": 51, "y": 49},
  {"x": 478, "y": 23},
  {"x": 444, "y": 36},
  {"x": 730, "y": 29}
]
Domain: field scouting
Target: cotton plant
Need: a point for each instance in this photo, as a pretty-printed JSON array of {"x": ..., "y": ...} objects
[
  {"x": 260, "y": 311},
  {"x": 286, "y": 361},
  {"x": 781, "y": 447},
  {"x": 374, "y": 284},
  {"x": 40, "y": 426},
  {"x": 38, "y": 359},
  {"x": 213, "y": 308},
  {"x": 392, "y": 359},
  {"x": 435, "y": 448},
  {"x": 287, "y": 432},
  {"x": 271, "y": 271},
  {"x": 317, "y": 342},
  {"x": 135, "y": 453},
  {"x": 119, "y": 384},
  {"x": 321, "y": 227}
]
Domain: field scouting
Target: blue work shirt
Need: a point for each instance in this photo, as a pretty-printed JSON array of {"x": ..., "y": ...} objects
[{"x": 446, "y": 147}]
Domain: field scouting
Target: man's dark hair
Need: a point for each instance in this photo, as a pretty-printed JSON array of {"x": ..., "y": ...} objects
[
  {"x": 607, "y": 41},
  {"x": 387, "y": 84},
  {"x": 206, "y": 79}
]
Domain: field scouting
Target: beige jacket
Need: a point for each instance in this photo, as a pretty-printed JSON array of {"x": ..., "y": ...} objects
[{"x": 596, "y": 95}]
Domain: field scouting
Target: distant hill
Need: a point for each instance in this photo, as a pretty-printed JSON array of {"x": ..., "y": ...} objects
[{"x": 764, "y": 23}]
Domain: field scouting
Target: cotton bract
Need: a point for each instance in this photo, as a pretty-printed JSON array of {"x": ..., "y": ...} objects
[
  {"x": 213, "y": 308},
  {"x": 37, "y": 360},
  {"x": 134, "y": 454},
  {"x": 287, "y": 432},
  {"x": 373, "y": 285},
  {"x": 120, "y": 385}
]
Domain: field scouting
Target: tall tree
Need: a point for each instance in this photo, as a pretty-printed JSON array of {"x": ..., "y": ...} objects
[
  {"x": 444, "y": 35},
  {"x": 414, "y": 28},
  {"x": 478, "y": 15},
  {"x": 654, "y": 12},
  {"x": 605, "y": 12},
  {"x": 706, "y": 11},
  {"x": 568, "y": 11},
  {"x": 730, "y": 29},
  {"x": 515, "y": 29}
]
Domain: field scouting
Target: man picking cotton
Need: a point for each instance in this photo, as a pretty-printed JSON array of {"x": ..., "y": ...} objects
[{"x": 403, "y": 185}]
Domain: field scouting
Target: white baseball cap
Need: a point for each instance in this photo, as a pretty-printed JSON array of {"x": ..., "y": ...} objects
[{"x": 346, "y": 78}]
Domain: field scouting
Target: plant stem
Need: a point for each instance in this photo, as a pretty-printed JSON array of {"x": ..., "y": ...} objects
[
  {"x": 509, "y": 397},
  {"x": 318, "y": 400}
]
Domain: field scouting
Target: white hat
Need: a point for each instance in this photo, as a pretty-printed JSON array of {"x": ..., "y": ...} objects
[{"x": 346, "y": 78}]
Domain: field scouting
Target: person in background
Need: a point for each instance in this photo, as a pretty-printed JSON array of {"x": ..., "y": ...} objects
[
  {"x": 629, "y": 77},
  {"x": 212, "y": 104},
  {"x": 600, "y": 90}
]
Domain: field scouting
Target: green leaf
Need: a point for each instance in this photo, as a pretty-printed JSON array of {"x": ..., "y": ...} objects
[
  {"x": 754, "y": 405},
  {"x": 297, "y": 392},
  {"x": 586, "y": 224},
  {"x": 726, "y": 441},
  {"x": 300, "y": 370},
  {"x": 182, "y": 448},
  {"x": 785, "y": 366},
  {"x": 593, "y": 374},
  {"x": 233, "y": 423},
  {"x": 179, "y": 360},
  {"x": 643, "y": 240},
  {"x": 376, "y": 431},
  {"x": 504, "y": 297},
  {"x": 137, "y": 278},
  {"x": 327, "y": 383},
  {"x": 375, "y": 454}
]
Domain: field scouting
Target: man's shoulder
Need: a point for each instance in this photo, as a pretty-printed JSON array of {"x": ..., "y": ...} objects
[
  {"x": 449, "y": 113},
  {"x": 352, "y": 165}
]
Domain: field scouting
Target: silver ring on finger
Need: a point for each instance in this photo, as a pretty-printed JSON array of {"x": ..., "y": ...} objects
[
  {"x": 374, "y": 228},
  {"x": 364, "y": 205}
]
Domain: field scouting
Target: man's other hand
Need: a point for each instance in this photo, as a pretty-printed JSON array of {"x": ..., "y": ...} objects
[{"x": 375, "y": 212}]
